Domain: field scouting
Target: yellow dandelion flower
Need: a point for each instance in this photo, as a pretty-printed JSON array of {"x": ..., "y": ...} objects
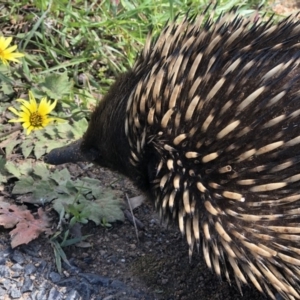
[
  {"x": 7, "y": 53},
  {"x": 32, "y": 115}
]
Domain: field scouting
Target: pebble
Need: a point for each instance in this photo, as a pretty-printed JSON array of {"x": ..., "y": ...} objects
[
  {"x": 17, "y": 257},
  {"x": 54, "y": 277},
  {"x": 25, "y": 275},
  {"x": 27, "y": 285},
  {"x": 29, "y": 269},
  {"x": 95, "y": 279}
]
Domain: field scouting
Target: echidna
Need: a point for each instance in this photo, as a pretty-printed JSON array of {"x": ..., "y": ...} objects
[{"x": 207, "y": 122}]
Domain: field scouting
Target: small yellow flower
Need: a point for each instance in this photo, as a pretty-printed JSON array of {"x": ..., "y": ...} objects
[
  {"x": 33, "y": 116},
  {"x": 6, "y": 53}
]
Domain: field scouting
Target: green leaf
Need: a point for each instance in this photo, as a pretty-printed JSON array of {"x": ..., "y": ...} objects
[
  {"x": 3, "y": 169},
  {"x": 88, "y": 185},
  {"x": 61, "y": 176},
  {"x": 63, "y": 202},
  {"x": 25, "y": 167},
  {"x": 56, "y": 85},
  {"x": 39, "y": 149},
  {"x": 13, "y": 169},
  {"x": 24, "y": 186},
  {"x": 7, "y": 89},
  {"x": 27, "y": 147},
  {"x": 3, "y": 179},
  {"x": 41, "y": 170},
  {"x": 54, "y": 144},
  {"x": 108, "y": 207},
  {"x": 10, "y": 147},
  {"x": 79, "y": 128},
  {"x": 43, "y": 192}
]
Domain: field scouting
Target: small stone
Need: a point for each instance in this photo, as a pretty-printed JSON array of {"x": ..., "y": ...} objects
[
  {"x": 132, "y": 246},
  {"x": 4, "y": 271},
  {"x": 15, "y": 274},
  {"x": 6, "y": 253},
  {"x": 69, "y": 282},
  {"x": 54, "y": 277},
  {"x": 17, "y": 268},
  {"x": 29, "y": 269},
  {"x": 73, "y": 295},
  {"x": 84, "y": 291},
  {"x": 17, "y": 257},
  {"x": 95, "y": 279},
  {"x": 27, "y": 285},
  {"x": 54, "y": 294},
  {"x": 109, "y": 298},
  {"x": 15, "y": 292},
  {"x": 73, "y": 270},
  {"x": 32, "y": 277},
  {"x": 41, "y": 266},
  {"x": 88, "y": 260}
]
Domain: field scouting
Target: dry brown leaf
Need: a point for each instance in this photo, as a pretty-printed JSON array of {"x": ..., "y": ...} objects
[{"x": 28, "y": 226}]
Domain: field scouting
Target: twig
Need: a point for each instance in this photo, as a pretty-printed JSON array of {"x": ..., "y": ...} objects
[{"x": 133, "y": 218}]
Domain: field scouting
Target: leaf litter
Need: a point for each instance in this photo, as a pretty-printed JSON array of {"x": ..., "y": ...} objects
[{"x": 28, "y": 226}]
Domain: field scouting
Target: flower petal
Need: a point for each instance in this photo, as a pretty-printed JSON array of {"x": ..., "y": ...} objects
[
  {"x": 10, "y": 49},
  {"x": 6, "y": 42},
  {"x": 13, "y": 110}
]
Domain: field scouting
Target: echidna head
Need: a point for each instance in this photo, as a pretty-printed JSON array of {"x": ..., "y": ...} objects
[{"x": 105, "y": 137}]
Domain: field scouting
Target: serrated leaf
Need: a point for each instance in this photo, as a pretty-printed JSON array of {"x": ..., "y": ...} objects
[
  {"x": 12, "y": 169},
  {"x": 63, "y": 201},
  {"x": 107, "y": 207},
  {"x": 3, "y": 179},
  {"x": 54, "y": 144},
  {"x": 50, "y": 130},
  {"x": 27, "y": 147},
  {"x": 86, "y": 185},
  {"x": 56, "y": 85},
  {"x": 3, "y": 169},
  {"x": 7, "y": 88},
  {"x": 25, "y": 167},
  {"x": 79, "y": 128},
  {"x": 60, "y": 176},
  {"x": 12, "y": 144},
  {"x": 43, "y": 192},
  {"x": 24, "y": 185},
  {"x": 39, "y": 149},
  {"x": 27, "y": 151},
  {"x": 41, "y": 170}
]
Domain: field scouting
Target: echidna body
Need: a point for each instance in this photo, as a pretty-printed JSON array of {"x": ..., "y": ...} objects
[{"x": 208, "y": 123}]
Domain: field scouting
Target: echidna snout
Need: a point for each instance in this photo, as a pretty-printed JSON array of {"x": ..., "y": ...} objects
[{"x": 208, "y": 122}]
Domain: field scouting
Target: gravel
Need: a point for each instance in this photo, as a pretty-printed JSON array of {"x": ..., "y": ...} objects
[{"x": 24, "y": 274}]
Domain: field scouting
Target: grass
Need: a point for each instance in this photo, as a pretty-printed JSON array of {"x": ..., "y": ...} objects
[
  {"x": 97, "y": 38},
  {"x": 74, "y": 50}
]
